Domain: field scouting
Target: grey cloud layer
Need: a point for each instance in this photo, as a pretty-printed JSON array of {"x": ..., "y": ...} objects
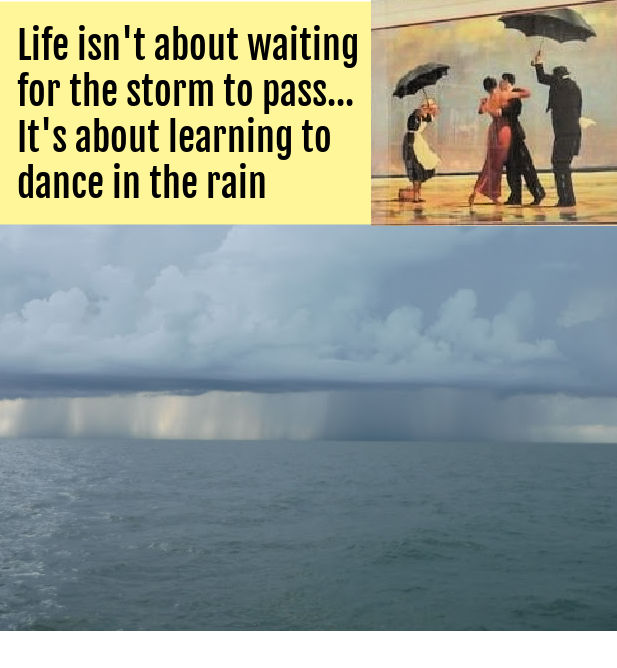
[{"x": 102, "y": 310}]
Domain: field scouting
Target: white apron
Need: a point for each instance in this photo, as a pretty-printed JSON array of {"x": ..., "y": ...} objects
[{"x": 424, "y": 155}]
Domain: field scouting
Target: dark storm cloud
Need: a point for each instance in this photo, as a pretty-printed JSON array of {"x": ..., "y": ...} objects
[{"x": 96, "y": 311}]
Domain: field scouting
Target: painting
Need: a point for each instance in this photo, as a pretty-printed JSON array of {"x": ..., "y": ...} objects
[{"x": 498, "y": 119}]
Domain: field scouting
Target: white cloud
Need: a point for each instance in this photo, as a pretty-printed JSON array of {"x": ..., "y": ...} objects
[
  {"x": 189, "y": 323},
  {"x": 254, "y": 292},
  {"x": 588, "y": 306},
  {"x": 498, "y": 339},
  {"x": 297, "y": 308}
]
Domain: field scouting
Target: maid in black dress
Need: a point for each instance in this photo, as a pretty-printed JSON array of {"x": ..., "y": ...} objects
[{"x": 420, "y": 161}]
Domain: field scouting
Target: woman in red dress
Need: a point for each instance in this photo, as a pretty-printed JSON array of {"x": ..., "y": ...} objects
[{"x": 499, "y": 138}]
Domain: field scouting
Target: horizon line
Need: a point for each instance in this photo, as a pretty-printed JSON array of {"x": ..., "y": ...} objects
[{"x": 478, "y": 441}]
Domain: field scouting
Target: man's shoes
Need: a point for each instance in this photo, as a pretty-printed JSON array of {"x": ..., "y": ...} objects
[
  {"x": 512, "y": 201},
  {"x": 537, "y": 199}
]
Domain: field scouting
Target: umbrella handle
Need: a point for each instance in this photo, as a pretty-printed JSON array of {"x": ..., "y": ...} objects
[{"x": 533, "y": 62}]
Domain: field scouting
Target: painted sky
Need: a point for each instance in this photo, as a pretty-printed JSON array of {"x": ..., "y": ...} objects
[
  {"x": 309, "y": 332},
  {"x": 475, "y": 48}
]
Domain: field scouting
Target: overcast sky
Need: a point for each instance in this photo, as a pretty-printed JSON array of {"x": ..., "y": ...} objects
[{"x": 309, "y": 332}]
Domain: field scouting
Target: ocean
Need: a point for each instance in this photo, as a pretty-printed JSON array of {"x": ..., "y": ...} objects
[{"x": 133, "y": 534}]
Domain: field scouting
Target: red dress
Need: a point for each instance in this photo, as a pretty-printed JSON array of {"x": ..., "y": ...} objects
[{"x": 499, "y": 138}]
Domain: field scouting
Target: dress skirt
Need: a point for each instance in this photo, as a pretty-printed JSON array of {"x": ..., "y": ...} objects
[{"x": 498, "y": 145}]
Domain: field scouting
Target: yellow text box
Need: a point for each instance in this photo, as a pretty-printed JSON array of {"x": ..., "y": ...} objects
[{"x": 162, "y": 82}]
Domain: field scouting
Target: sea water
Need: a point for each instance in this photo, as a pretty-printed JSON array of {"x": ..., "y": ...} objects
[{"x": 128, "y": 534}]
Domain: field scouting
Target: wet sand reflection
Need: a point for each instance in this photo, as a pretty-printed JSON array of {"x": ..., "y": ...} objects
[{"x": 446, "y": 203}]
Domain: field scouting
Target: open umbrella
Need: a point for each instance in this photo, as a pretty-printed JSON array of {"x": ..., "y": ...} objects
[
  {"x": 421, "y": 76},
  {"x": 562, "y": 24}
]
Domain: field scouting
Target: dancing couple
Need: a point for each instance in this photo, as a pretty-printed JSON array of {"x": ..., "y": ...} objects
[{"x": 506, "y": 145}]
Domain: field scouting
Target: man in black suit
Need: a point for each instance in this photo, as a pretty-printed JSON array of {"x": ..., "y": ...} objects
[
  {"x": 519, "y": 162},
  {"x": 565, "y": 102}
]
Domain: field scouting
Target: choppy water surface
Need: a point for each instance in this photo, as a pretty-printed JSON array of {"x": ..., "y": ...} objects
[{"x": 243, "y": 535}]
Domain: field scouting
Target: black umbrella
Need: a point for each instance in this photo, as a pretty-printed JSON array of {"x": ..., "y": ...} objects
[
  {"x": 562, "y": 25},
  {"x": 421, "y": 76}
]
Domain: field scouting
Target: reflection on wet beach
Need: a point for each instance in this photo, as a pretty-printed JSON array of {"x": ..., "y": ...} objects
[{"x": 446, "y": 203}]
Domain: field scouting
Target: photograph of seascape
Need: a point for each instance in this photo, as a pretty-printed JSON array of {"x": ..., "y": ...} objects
[{"x": 308, "y": 428}]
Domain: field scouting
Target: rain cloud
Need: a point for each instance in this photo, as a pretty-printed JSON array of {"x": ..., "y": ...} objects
[{"x": 372, "y": 321}]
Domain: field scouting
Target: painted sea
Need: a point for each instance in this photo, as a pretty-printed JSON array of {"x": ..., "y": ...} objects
[{"x": 129, "y": 534}]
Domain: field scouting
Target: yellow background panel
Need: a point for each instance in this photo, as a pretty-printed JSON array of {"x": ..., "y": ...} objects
[{"x": 330, "y": 187}]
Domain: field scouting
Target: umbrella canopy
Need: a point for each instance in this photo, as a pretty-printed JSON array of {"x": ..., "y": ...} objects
[
  {"x": 562, "y": 25},
  {"x": 421, "y": 76}
]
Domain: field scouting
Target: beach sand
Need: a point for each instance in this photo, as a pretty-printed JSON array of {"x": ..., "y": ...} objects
[{"x": 446, "y": 203}]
